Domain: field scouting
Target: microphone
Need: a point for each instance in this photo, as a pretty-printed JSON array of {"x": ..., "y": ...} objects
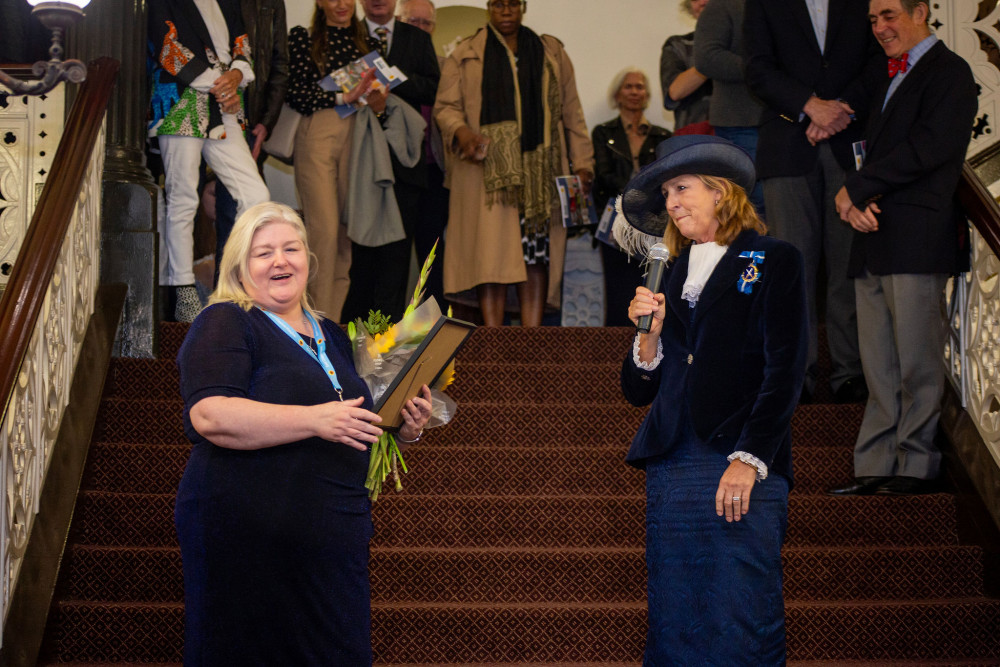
[{"x": 658, "y": 256}]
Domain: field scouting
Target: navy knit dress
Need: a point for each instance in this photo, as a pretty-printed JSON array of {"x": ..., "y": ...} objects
[{"x": 274, "y": 541}]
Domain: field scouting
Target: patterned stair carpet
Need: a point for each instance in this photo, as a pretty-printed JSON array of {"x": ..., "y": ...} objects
[{"x": 518, "y": 538}]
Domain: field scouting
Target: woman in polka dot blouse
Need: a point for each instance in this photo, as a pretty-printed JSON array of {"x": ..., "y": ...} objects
[{"x": 323, "y": 139}]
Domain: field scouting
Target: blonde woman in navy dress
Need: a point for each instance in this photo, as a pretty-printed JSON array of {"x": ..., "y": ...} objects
[
  {"x": 722, "y": 367},
  {"x": 272, "y": 513}
]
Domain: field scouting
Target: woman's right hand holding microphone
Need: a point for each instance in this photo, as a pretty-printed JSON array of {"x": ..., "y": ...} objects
[{"x": 646, "y": 303}]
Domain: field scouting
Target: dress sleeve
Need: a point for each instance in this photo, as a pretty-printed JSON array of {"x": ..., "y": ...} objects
[
  {"x": 216, "y": 358},
  {"x": 204, "y": 81},
  {"x": 750, "y": 460},
  {"x": 246, "y": 70}
]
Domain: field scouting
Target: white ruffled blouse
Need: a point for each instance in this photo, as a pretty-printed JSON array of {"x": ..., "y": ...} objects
[{"x": 703, "y": 260}]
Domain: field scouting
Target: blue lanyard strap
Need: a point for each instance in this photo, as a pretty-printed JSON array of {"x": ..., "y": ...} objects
[{"x": 318, "y": 355}]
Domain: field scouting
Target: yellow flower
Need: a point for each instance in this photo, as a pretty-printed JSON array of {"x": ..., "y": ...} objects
[
  {"x": 447, "y": 377},
  {"x": 383, "y": 342}
]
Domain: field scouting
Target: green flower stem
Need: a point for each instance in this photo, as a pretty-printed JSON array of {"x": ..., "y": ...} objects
[{"x": 383, "y": 462}]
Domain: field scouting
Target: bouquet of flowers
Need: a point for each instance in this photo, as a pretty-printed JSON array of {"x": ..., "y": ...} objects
[{"x": 381, "y": 350}]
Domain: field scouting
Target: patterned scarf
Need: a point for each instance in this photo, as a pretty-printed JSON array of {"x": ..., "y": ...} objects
[{"x": 520, "y": 112}]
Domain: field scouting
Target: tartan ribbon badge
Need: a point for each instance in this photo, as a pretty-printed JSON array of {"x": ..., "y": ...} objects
[{"x": 752, "y": 273}]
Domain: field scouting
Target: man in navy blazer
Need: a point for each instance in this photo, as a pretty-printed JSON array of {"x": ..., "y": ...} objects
[
  {"x": 909, "y": 236},
  {"x": 805, "y": 59}
]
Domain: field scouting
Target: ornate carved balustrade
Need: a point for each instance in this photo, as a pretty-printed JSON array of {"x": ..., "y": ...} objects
[
  {"x": 30, "y": 128},
  {"x": 972, "y": 352},
  {"x": 45, "y": 310}
]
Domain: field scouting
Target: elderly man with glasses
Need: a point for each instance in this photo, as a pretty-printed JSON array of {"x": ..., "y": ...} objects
[{"x": 419, "y": 13}]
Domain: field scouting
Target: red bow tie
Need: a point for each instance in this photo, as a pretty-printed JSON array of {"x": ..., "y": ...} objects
[{"x": 897, "y": 65}]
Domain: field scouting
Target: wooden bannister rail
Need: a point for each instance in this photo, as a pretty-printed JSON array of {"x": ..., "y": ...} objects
[
  {"x": 22, "y": 300},
  {"x": 980, "y": 207},
  {"x": 18, "y": 71}
]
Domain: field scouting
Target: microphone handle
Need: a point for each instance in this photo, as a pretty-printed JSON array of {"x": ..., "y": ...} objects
[{"x": 653, "y": 279}]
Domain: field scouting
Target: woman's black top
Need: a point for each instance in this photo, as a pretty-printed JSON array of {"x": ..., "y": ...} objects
[{"x": 304, "y": 92}]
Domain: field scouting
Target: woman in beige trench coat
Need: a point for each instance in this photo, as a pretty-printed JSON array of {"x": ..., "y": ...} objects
[{"x": 484, "y": 249}]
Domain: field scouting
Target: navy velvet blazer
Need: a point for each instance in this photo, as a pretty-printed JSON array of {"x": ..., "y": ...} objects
[
  {"x": 736, "y": 361},
  {"x": 916, "y": 147}
]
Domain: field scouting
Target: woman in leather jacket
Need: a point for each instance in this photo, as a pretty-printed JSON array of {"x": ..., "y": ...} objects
[{"x": 621, "y": 147}]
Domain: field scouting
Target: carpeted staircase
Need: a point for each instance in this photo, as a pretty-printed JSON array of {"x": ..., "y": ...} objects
[{"x": 519, "y": 535}]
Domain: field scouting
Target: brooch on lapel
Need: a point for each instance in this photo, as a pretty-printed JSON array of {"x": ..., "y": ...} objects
[{"x": 752, "y": 273}]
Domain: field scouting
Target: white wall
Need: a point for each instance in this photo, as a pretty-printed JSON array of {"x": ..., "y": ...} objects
[{"x": 601, "y": 37}]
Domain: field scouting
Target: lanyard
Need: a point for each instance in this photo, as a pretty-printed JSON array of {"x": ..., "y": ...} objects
[{"x": 318, "y": 355}]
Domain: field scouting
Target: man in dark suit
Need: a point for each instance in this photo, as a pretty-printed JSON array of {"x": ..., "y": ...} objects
[
  {"x": 410, "y": 49},
  {"x": 909, "y": 236},
  {"x": 805, "y": 60},
  {"x": 433, "y": 207},
  {"x": 407, "y": 47}
]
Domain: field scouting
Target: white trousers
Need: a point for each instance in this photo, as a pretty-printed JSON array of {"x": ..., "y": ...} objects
[{"x": 232, "y": 162}]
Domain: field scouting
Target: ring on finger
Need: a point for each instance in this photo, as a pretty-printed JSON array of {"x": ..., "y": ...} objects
[{"x": 736, "y": 499}]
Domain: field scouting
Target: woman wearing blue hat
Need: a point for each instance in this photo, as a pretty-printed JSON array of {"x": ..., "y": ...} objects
[{"x": 722, "y": 367}]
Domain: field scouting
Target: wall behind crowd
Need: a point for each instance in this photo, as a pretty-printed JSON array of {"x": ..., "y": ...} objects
[{"x": 601, "y": 37}]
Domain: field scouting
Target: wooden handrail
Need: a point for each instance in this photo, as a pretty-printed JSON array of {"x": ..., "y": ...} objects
[
  {"x": 24, "y": 295},
  {"x": 980, "y": 207},
  {"x": 18, "y": 71}
]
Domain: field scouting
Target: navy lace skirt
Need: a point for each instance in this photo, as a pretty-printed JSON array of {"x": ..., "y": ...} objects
[{"x": 714, "y": 587}]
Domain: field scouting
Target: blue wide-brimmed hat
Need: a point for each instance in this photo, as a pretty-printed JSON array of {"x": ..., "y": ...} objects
[{"x": 643, "y": 203}]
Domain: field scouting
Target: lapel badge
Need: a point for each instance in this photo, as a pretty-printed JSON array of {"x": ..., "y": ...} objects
[{"x": 752, "y": 273}]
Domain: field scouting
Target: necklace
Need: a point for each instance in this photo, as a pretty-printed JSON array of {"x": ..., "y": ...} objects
[{"x": 311, "y": 341}]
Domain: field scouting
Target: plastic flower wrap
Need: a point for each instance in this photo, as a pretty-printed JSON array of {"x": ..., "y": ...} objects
[
  {"x": 380, "y": 357},
  {"x": 381, "y": 350}
]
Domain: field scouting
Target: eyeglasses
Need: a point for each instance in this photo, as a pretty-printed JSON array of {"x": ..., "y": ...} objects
[
  {"x": 420, "y": 23},
  {"x": 500, "y": 5}
]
